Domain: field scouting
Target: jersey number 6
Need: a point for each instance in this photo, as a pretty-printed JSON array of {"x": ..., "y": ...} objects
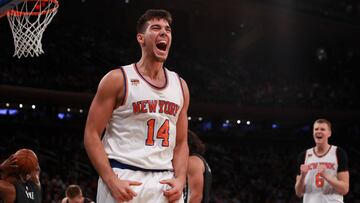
[
  {"x": 319, "y": 181},
  {"x": 162, "y": 133}
]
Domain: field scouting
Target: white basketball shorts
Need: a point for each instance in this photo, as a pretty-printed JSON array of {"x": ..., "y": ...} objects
[{"x": 150, "y": 191}]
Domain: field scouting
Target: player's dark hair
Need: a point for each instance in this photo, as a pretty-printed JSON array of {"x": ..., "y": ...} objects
[
  {"x": 196, "y": 146},
  {"x": 323, "y": 120},
  {"x": 152, "y": 14},
  {"x": 72, "y": 191}
]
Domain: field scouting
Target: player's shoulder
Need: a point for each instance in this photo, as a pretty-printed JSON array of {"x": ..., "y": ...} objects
[
  {"x": 7, "y": 187},
  {"x": 114, "y": 74},
  {"x": 196, "y": 163},
  {"x": 196, "y": 157},
  {"x": 340, "y": 151},
  {"x": 111, "y": 83},
  {"x": 302, "y": 155},
  {"x": 303, "y": 152}
]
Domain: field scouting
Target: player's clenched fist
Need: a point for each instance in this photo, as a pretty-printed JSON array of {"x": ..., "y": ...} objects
[
  {"x": 304, "y": 169},
  {"x": 322, "y": 170}
]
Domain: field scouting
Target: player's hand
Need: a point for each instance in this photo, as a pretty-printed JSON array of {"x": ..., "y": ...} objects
[
  {"x": 322, "y": 170},
  {"x": 9, "y": 164},
  {"x": 304, "y": 169},
  {"x": 121, "y": 189},
  {"x": 176, "y": 188}
]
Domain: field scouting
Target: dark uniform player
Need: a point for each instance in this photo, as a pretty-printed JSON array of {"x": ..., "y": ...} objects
[
  {"x": 16, "y": 187},
  {"x": 198, "y": 183}
]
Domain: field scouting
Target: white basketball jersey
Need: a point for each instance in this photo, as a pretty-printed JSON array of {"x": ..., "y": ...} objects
[
  {"x": 142, "y": 131},
  {"x": 318, "y": 190}
]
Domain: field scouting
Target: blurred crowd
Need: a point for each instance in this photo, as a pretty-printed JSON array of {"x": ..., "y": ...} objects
[{"x": 81, "y": 55}]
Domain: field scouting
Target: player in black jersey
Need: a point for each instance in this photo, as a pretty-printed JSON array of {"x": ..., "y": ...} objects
[
  {"x": 16, "y": 187},
  {"x": 198, "y": 182}
]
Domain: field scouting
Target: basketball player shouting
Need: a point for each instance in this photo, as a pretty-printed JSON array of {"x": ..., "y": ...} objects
[
  {"x": 143, "y": 154},
  {"x": 323, "y": 170}
]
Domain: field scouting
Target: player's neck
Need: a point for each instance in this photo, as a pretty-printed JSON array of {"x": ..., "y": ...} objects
[
  {"x": 151, "y": 69},
  {"x": 321, "y": 149}
]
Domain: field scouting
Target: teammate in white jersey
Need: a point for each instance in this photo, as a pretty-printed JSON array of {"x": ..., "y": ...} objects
[
  {"x": 143, "y": 106},
  {"x": 323, "y": 175}
]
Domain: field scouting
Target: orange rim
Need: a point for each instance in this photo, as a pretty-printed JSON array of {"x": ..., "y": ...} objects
[{"x": 35, "y": 13}]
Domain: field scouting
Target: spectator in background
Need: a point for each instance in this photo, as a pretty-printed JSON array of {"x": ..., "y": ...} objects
[{"x": 74, "y": 195}]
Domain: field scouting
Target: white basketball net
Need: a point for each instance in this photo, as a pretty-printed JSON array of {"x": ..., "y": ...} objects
[{"x": 28, "y": 21}]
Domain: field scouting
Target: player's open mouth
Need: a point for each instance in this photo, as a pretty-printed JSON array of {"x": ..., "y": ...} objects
[
  {"x": 161, "y": 45},
  {"x": 318, "y": 136}
]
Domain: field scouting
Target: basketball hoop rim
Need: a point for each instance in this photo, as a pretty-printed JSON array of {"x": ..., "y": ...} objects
[{"x": 13, "y": 12}]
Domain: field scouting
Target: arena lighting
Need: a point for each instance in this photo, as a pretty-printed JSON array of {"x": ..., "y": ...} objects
[
  {"x": 7, "y": 105},
  {"x": 207, "y": 125},
  {"x": 3, "y": 111},
  {"x": 33, "y": 106},
  {"x": 12, "y": 112},
  {"x": 189, "y": 118},
  {"x": 200, "y": 118},
  {"x": 238, "y": 121},
  {"x": 61, "y": 116},
  {"x": 68, "y": 109},
  {"x": 81, "y": 111},
  {"x": 20, "y": 105},
  {"x": 274, "y": 126},
  {"x": 321, "y": 54},
  {"x": 227, "y": 121},
  {"x": 226, "y": 125},
  {"x": 248, "y": 122}
]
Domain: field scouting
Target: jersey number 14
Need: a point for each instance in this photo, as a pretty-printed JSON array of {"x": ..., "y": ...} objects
[{"x": 162, "y": 133}]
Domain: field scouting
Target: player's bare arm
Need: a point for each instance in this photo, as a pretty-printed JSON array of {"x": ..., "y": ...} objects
[
  {"x": 340, "y": 183},
  {"x": 181, "y": 152},
  {"x": 196, "y": 169},
  {"x": 7, "y": 191},
  {"x": 300, "y": 180},
  {"x": 8, "y": 165},
  {"x": 109, "y": 95}
]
